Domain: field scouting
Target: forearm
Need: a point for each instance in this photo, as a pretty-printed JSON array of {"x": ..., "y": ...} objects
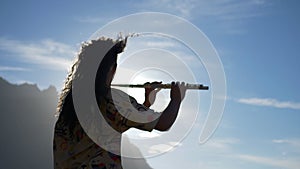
[
  {"x": 168, "y": 116},
  {"x": 147, "y": 103}
]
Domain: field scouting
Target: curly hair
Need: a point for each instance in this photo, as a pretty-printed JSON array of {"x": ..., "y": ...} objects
[{"x": 65, "y": 108}]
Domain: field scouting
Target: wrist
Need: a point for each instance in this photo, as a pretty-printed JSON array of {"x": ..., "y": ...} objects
[{"x": 147, "y": 103}]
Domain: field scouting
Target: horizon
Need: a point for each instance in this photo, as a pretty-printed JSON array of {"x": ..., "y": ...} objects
[{"x": 257, "y": 44}]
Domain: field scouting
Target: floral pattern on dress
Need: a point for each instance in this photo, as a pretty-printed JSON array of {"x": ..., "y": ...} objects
[{"x": 76, "y": 150}]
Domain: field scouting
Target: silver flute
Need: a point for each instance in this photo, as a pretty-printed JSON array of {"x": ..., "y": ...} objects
[{"x": 162, "y": 86}]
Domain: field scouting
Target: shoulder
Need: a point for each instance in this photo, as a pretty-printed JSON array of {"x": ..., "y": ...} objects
[
  {"x": 117, "y": 94},
  {"x": 123, "y": 100}
]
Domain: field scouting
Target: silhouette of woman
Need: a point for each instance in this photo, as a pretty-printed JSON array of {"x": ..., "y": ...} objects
[{"x": 72, "y": 147}]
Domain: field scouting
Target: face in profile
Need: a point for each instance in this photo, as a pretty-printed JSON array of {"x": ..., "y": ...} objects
[{"x": 111, "y": 74}]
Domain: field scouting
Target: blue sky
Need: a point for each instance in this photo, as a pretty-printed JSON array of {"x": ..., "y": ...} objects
[{"x": 257, "y": 41}]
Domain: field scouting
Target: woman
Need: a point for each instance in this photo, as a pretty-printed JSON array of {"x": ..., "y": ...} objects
[{"x": 72, "y": 146}]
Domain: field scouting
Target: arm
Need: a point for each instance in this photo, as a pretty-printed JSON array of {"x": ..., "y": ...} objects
[
  {"x": 150, "y": 93},
  {"x": 169, "y": 115}
]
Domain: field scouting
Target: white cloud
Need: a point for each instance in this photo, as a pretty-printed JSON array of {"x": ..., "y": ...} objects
[
  {"x": 181, "y": 7},
  {"x": 224, "y": 149},
  {"x": 291, "y": 163},
  {"x": 160, "y": 44},
  {"x": 221, "y": 143},
  {"x": 10, "y": 68},
  {"x": 227, "y": 16},
  {"x": 161, "y": 148},
  {"x": 221, "y": 9},
  {"x": 47, "y": 53},
  {"x": 270, "y": 103},
  {"x": 173, "y": 143},
  {"x": 293, "y": 144}
]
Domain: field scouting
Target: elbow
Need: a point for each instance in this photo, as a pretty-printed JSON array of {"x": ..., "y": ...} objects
[
  {"x": 162, "y": 127},
  {"x": 165, "y": 123},
  {"x": 164, "y": 130}
]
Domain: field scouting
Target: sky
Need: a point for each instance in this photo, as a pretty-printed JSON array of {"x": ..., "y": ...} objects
[{"x": 257, "y": 43}]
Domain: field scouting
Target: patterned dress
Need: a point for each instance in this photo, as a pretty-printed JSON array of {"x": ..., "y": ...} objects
[{"x": 76, "y": 150}]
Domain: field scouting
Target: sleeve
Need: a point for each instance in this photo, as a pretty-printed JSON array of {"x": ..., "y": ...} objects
[
  {"x": 149, "y": 117},
  {"x": 133, "y": 114}
]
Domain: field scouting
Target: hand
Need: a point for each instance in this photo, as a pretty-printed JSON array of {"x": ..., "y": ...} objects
[
  {"x": 178, "y": 91},
  {"x": 151, "y": 90}
]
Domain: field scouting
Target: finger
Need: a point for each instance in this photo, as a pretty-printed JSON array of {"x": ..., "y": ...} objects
[{"x": 172, "y": 85}]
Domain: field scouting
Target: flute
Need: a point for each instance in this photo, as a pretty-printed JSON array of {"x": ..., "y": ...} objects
[{"x": 162, "y": 86}]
